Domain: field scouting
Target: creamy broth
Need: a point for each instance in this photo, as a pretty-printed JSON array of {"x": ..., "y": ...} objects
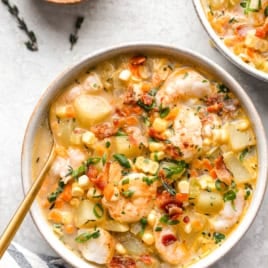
[
  {"x": 156, "y": 163},
  {"x": 243, "y": 27}
]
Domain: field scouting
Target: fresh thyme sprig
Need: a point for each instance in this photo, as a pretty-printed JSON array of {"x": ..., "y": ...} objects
[
  {"x": 74, "y": 36},
  {"x": 31, "y": 43}
]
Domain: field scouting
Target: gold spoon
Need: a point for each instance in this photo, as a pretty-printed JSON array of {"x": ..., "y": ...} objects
[{"x": 25, "y": 205}]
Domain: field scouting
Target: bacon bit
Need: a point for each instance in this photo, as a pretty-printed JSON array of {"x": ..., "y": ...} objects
[
  {"x": 127, "y": 110},
  {"x": 137, "y": 60},
  {"x": 129, "y": 97},
  {"x": 215, "y": 108},
  {"x": 222, "y": 172},
  {"x": 186, "y": 219},
  {"x": 104, "y": 130},
  {"x": 154, "y": 134},
  {"x": 216, "y": 98},
  {"x": 102, "y": 179},
  {"x": 147, "y": 99},
  {"x": 173, "y": 151},
  {"x": 168, "y": 239},
  {"x": 92, "y": 172},
  {"x": 122, "y": 262},
  {"x": 170, "y": 204},
  {"x": 146, "y": 259}
]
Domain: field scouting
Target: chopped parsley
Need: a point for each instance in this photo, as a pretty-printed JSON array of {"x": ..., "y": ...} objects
[{"x": 218, "y": 237}]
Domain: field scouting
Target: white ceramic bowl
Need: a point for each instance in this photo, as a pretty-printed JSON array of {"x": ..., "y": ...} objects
[
  {"x": 224, "y": 49},
  {"x": 54, "y": 89}
]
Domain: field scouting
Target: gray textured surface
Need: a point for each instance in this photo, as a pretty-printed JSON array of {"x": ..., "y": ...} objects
[{"x": 25, "y": 75}]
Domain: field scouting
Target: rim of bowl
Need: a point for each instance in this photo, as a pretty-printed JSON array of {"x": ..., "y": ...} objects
[
  {"x": 225, "y": 51},
  {"x": 157, "y": 48}
]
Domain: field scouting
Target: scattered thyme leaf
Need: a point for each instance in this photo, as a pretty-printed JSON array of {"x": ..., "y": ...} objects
[
  {"x": 73, "y": 37},
  {"x": 31, "y": 43}
]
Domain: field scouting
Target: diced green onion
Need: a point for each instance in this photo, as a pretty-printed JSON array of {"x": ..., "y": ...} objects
[
  {"x": 98, "y": 210},
  {"x": 84, "y": 237},
  {"x": 122, "y": 160}
]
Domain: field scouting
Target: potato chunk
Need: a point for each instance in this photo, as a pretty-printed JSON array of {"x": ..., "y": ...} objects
[
  {"x": 209, "y": 202},
  {"x": 239, "y": 172},
  {"x": 91, "y": 109},
  {"x": 123, "y": 146},
  {"x": 88, "y": 214}
]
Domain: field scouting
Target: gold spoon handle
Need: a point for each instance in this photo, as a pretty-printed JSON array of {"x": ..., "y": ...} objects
[{"x": 24, "y": 207}]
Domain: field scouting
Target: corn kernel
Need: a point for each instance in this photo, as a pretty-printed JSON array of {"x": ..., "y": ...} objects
[
  {"x": 83, "y": 181},
  {"x": 76, "y": 191},
  {"x": 183, "y": 187},
  {"x": 188, "y": 228},
  {"x": 151, "y": 218},
  {"x": 156, "y": 146},
  {"x": 120, "y": 248},
  {"x": 146, "y": 165},
  {"x": 160, "y": 125},
  {"x": 207, "y": 142},
  {"x": 75, "y": 138},
  {"x": 148, "y": 238},
  {"x": 89, "y": 138},
  {"x": 157, "y": 156},
  {"x": 124, "y": 75},
  {"x": 220, "y": 135},
  {"x": 75, "y": 202}
]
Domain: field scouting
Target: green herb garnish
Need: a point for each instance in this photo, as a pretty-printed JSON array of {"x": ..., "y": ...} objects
[
  {"x": 248, "y": 190},
  {"x": 31, "y": 43},
  {"x": 107, "y": 144},
  {"x": 84, "y": 237},
  {"x": 243, "y": 154},
  {"x": 74, "y": 36},
  {"x": 229, "y": 196},
  {"x": 166, "y": 220},
  {"x": 98, "y": 210},
  {"x": 52, "y": 197},
  {"x": 218, "y": 237},
  {"x": 158, "y": 229},
  {"x": 122, "y": 160},
  {"x": 128, "y": 193},
  {"x": 163, "y": 112}
]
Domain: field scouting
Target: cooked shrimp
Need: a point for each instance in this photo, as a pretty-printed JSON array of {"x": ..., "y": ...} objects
[
  {"x": 187, "y": 128},
  {"x": 183, "y": 85},
  {"x": 230, "y": 214},
  {"x": 61, "y": 165},
  {"x": 132, "y": 198},
  {"x": 92, "y": 83},
  {"x": 168, "y": 244},
  {"x": 97, "y": 249}
]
